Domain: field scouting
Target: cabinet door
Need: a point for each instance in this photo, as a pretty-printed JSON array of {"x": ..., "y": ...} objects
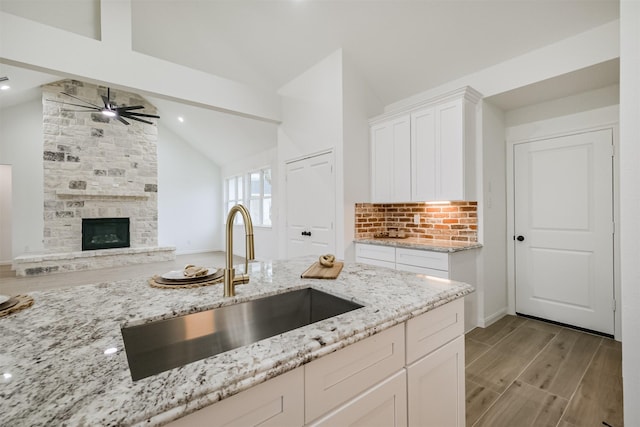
[
  {"x": 450, "y": 151},
  {"x": 384, "y": 405},
  {"x": 277, "y": 402},
  {"x": 423, "y": 155},
  {"x": 435, "y": 384},
  {"x": 391, "y": 160},
  {"x": 338, "y": 377}
]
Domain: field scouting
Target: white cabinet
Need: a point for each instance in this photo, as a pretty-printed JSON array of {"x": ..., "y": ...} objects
[
  {"x": 459, "y": 265},
  {"x": 439, "y": 161},
  {"x": 390, "y": 159},
  {"x": 411, "y": 374},
  {"x": 277, "y": 402},
  {"x": 384, "y": 405},
  {"x": 338, "y": 377},
  {"x": 435, "y": 383}
]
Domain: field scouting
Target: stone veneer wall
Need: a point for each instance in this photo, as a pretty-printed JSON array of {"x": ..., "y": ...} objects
[
  {"x": 450, "y": 221},
  {"x": 96, "y": 167}
]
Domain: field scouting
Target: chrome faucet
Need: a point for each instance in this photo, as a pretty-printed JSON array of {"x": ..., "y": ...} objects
[{"x": 230, "y": 278}]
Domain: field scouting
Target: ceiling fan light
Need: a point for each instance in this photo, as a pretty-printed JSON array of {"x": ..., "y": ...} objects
[{"x": 108, "y": 113}]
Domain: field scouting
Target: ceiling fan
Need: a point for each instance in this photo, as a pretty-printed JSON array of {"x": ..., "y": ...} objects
[{"x": 110, "y": 109}]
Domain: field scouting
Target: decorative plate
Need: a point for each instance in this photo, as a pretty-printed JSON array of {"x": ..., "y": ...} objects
[
  {"x": 4, "y": 298},
  {"x": 179, "y": 275}
]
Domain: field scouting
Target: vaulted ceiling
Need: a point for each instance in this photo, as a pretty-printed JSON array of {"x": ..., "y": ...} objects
[{"x": 399, "y": 47}]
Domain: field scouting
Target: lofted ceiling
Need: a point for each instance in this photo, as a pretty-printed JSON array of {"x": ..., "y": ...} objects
[{"x": 399, "y": 47}]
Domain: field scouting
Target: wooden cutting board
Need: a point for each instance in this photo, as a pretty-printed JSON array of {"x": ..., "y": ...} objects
[{"x": 316, "y": 271}]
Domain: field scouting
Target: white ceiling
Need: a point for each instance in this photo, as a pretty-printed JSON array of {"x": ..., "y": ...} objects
[{"x": 400, "y": 47}]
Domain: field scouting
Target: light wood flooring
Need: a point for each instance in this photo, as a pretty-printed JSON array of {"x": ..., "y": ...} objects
[
  {"x": 519, "y": 372},
  {"x": 523, "y": 372}
]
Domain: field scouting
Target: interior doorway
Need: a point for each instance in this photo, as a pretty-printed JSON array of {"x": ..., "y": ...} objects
[
  {"x": 6, "y": 251},
  {"x": 311, "y": 205},
  {"x": 564, "y": 229}
]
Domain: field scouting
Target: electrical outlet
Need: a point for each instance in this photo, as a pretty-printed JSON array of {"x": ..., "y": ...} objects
[{"x": 416, "y": 219}]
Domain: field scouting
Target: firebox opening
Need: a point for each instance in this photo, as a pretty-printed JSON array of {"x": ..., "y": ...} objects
[{"x": 105, "y": 233}]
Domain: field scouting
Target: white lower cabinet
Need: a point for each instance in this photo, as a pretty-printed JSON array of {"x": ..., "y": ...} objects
[
  {"x": 409, "y": 375},
  {"x": 435, "y": 387},
  {"x": 278, "y": 402},
  {"x": 384, "y": 405}
]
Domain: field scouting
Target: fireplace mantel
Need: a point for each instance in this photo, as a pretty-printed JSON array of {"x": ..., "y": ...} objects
[{"x": 70, "y": 194}]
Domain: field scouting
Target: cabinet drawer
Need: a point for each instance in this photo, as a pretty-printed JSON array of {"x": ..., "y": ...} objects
[
  {"x": 277, "y": 402},
  {"x": 426, "y": 259},
  {"x": 383, "y": 405},
  {"x": 423, "y": 270},
  {"x": 338, "y": 377},
  {"x": 380, "y": 253},
  {"x": 434, "y": 328}
]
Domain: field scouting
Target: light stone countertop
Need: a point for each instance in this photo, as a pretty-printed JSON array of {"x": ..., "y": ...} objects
[
  {"x": 423, "y": 244},
  {"x": 54, "y": 370}
]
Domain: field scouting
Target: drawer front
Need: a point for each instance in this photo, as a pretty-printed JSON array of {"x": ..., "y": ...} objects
[
  {"x": 383, "y": 405},
  {"x": 376, "y": 262},
  {"x": 443, "y": 274},
  {"x": 434, "y": 328},
  {"x": 277, "y": 402},
  {"x": 336, "y": 378},
  {"x": 426, "y": 259},
  {"x": 380, "y": 253}
]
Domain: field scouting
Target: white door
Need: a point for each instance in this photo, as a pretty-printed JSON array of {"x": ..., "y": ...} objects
[
  {"x": 564, "y": 229},
  {"x": 310, "y": 206}
]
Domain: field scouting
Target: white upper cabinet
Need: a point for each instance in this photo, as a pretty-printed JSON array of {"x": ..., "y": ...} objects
[
  {"x": 440, "y": 160},
  {"x": 390, "y": 157}
]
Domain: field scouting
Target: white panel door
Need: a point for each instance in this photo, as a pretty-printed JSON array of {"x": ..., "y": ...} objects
[
  {"x": 310, "y": 206},
  {"x": 564, "y": 229}
]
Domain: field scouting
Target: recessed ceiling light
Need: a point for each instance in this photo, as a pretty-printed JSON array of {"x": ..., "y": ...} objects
[
  {"x": 181, "y": 119},
  {"x": 5, "y": 87}
]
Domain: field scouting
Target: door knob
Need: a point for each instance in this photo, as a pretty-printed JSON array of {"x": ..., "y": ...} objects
[{"x": 520, "y": 238}]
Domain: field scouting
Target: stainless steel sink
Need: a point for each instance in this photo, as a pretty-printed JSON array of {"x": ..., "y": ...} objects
[{"x": 159, "y": 346}]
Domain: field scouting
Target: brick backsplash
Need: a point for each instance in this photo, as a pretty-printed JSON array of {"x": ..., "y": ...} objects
[{"x": 450, "y": 221}]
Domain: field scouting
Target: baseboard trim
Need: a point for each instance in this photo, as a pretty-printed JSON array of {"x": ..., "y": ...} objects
[{"x": 490, "y": 320}]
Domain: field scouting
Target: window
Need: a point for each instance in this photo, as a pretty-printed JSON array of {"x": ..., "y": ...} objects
[{"x": 257, "y": 197}]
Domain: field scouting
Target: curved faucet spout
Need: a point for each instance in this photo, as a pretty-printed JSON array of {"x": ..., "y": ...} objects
[{"x": 230, "y": 278}]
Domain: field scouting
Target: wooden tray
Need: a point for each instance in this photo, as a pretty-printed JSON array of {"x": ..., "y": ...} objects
[{"x": 316, "y": 271}]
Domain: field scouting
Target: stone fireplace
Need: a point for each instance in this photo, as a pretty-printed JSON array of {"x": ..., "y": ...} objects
[
  {"x": 95, "y": 168},
  {"x": 105, "y": 233}
]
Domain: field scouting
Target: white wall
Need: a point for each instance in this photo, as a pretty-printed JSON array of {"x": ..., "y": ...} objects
[
  {"x": 21, "y": 147},
  {"x": 574, "y": 53},
  {"x": 312, "y": 122},
  {"x": 585, "y": 101},
  {"x": 265, "y": 238},
  {"x": 359, "y": 104},
  {"x": 189, "y": 197},
  {"x": 6, "y": 247},
  {"x": 630, "y": 205},
  {"x": 492, "y": 265}
]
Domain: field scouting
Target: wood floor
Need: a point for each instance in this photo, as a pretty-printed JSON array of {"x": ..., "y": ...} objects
[
  {"x": 519, "y": 372},
  {"x": 522, "y": 372}
]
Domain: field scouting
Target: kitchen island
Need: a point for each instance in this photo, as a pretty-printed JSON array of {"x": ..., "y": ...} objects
[{"x": 63, "y": 360}]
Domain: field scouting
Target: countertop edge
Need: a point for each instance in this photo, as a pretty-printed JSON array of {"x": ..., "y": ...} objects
[{"x": 434, "y": 246}]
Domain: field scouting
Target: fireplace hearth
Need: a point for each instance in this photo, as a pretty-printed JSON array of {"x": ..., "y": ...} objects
[{"x": 105, "y": 233}]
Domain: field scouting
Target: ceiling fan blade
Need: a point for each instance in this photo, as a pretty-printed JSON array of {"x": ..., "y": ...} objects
[
  {"x": 128, "y": 113},
  {"x": 80, "y": 99},
  {"x": 93, "y": 110},
  {"x": 126, "y": 108},
  {"x": 75, "y": 105},
  {"x": 137, "y": 119},
  {"x": 107, "y": 104},
  {"x": 123, "y": 120}
]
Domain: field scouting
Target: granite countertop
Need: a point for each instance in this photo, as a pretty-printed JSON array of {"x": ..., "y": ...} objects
[
  {"x": 424, "y": 244},
  {"x": 54, "y": 369}
]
